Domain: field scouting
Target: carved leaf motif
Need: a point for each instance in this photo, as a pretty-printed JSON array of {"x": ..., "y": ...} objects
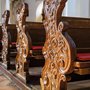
[
  {"x": 5, "y": 19},
  {"x": 22, "y": 40},
  {"x": 56, "y": 49}
]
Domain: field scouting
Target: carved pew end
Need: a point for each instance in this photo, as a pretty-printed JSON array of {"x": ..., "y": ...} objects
[
  {"x": 42, "y": 84},
  {"x": 63, "y": 85}
]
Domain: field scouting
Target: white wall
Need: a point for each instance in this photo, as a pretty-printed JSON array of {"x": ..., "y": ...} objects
[
  {"x": 7, "y": 4},
  {"x": 33, "y": 4},
  {"x": 32, "y": 8},
  {"x": 2, "y": 7},
  {"x": 74, "y": 8},
  {"x": 78, "y": 8}
]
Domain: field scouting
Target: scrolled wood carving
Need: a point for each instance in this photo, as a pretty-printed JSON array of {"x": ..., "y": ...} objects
[
  {"x": 56, "y": 49},
  {"x": 22, "y": 40},
  {"x": 5, "y": 19}
]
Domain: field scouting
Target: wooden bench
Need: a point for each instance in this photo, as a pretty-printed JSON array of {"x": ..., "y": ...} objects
[
  {"x": 36, "y": 31},
  {"x": 29, "y": 43},
  {"x": 36, "y": 43},
  {"x": 79, "y": 31},
  {"x": 11, "y": 28},
  {"x": 61, "y": 54},
  {"x": 8, "y": 37},
  {"x": 5, "y": 38},
  {"x": 82, "y": 46}
]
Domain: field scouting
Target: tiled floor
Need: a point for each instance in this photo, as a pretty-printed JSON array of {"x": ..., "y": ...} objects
[
  {"x": 79, "y": 85},
  {"x": 6, "y": 83}
]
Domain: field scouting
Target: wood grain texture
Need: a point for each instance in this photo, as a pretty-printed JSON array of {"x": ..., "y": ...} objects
[
  {"x": 5, "y": 39},
  {"x": 56, "y": 49},
  {"x": 22, "y": 40}
]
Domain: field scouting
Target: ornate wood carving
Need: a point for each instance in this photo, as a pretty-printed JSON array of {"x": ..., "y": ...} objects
[
  {"x": 22, "y": 40},
  {"x": 5, "y": 19},
  {"x": 56, "y": 49}
]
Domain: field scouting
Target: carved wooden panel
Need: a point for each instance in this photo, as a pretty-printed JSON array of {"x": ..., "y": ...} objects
[
  {"x": 5, "y": 19},
  {"x": 56, "y": 49},
  {"x": 22, "y": 40}
]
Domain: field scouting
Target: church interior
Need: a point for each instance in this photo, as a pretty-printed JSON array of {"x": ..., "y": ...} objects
[{"x": 44, "y": 44}]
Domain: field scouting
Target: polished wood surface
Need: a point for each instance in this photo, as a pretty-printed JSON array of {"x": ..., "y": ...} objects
[
  {"x": 79, "y": 30},
  {"x": 22, "y": 40},
  {"x": 56, "y": 49},
  {"x": 5, "y": 39},
  {"x": 75, "y": 32}
]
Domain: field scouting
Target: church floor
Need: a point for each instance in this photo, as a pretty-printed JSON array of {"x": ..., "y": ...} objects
[{"x": 7, "y": 82}]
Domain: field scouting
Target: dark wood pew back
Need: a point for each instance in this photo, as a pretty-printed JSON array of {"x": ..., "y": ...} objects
[
  {"x": 37, "y": 33},
  {"x": 11, "y": 28},
  {"x": 79, "y": 30},
  {"x": 0, "y": 33},
  {"x": 13, "y": 33}
]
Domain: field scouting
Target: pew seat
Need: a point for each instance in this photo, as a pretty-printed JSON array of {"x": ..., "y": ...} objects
[
  {"x": 82, "y": 64},
  {"x": 36, "y": 33},
  {"x": 79, "y": 31},
  {"x": 83, "y": 56},
  {"x": 36, "y": 52},
  {"x": 13, "y": 44},
  {"x": 12, "y": 37},
  {"x": 37, "y": 47}
]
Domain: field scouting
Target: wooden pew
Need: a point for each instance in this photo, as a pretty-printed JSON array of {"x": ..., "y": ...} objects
[
  {"x": 37, "y": 43},
  {"x": 36, "y": 31},
  {"x": 57, "y": 49},
  {"x": 76, "y": 59},
  {"x": 75, "y": 29},
  {"x": 12, "y": 45},
  {"x": 8, "y": 35},
  {"x": 29, "y": 43},
  {"x": 34, "y": 41},
  {"x": 79, "y": 30},
  {"x": 5, "y": 38}
]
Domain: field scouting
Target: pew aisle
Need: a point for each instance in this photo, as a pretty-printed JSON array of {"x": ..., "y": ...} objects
[
  {"x": 77, "y": 85},
  {"x": 6, "y": 83},
  {"x": 9, "y": 81}
]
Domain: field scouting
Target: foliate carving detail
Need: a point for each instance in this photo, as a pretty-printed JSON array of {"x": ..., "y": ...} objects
[
  {"x": 22, "y": 40},
  {"x": 56, "y": 49},
  {"x": 5, "y": 18}
]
